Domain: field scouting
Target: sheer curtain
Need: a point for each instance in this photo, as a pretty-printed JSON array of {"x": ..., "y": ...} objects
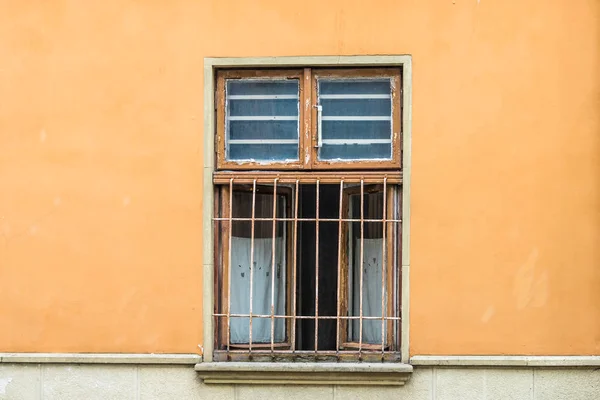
[
  {"x": 373, "y": 259},
  {"x": 263, "y": 271}
]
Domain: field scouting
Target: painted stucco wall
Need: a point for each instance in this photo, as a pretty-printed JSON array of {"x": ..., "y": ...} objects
[{"x": 101, "y": 165}]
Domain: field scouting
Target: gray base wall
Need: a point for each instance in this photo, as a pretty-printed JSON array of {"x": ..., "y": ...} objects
[{"x": 150, "y": 382}]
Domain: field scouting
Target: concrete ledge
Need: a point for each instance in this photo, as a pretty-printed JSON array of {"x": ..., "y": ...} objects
[
  {"x": 506, "y": 361},
  {"x": 304, "y": 373},
  {"x": 320, "y": 61},
  {"x": 100, "y": 358}
]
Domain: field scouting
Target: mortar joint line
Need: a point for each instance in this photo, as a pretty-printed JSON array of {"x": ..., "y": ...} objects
[
  {"x": 137, "y": 382},
  {"x": 41, "y": 381},
  {"x": 433, "y": 383},
  {"x": 532, "y": 383}
]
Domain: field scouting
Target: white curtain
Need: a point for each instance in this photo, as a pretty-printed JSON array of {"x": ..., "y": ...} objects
[
  {"x": 261, "y": 291},
  {"x": 373, "y": 259}
]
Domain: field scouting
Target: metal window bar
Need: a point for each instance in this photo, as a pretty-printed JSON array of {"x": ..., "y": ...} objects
[
  {"x": 320, "y": 317},
  {"x": 263, "y": 141},
  {"x": 252, "y": 263},
  {"x": 353, "y": 96},
  {"x": 360, "y": 266},
  {"x": 350, "y": 118},
  {"x": 263, "y": 96},
  {"x": 230, "y": 234},
  {"x": 308, "y": 219},
  {"x": 384, "y": 318},
  {"x": 317, "y": 271},
  {"x": 383, "y": 265},
  {"x": 339, "y": 142},
  {"x": 294, "y": 266},
  {"x": 273, "y": 267},
  {"x": 339, "y": 271},
  {"x": 263, "y": 118}
]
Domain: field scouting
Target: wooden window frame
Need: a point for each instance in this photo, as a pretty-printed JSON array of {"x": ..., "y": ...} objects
[
  {"x": 364, "y": 373},
  {"x": 262, "y": 351},
  {"x": 395, "y": 74},
  {"x": 221, "y": 105},
  {"x": 307, "y": 123},
  {"x": 391, "y": 265}
]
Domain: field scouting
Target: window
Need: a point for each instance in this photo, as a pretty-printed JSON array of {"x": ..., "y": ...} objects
[
  {"x": 309, "y": 119},
  {"x": 308, "y": 214}
]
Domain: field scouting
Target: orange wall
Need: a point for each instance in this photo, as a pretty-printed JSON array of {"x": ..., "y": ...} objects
[{"x": 101, "y": 165}]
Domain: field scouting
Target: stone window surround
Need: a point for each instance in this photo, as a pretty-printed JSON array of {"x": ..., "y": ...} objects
[{"x": 292, "y": 372}]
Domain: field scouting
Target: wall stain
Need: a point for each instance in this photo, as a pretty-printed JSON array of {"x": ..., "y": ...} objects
[{"x": 530, "y": 287}]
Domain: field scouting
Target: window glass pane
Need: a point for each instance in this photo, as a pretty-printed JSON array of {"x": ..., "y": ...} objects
[
  {"x": 356, "y": 119},
  {"x": 262, "y": 119},
  {"x": 373, "y": 268},
  {"x": 262, "y": 86},
  {"x": 363, "y": 107},
  {"x": 262, "y": 267},
  {"x": 356, "y": 151},
  {"x": 260, "y": 262},
  {"x": 356, "y": 130},
  {"x": 355, "y": 86},
  {"x": 284, "y": 107},
  {"x": 263, "y": 152},
  {"x": 241, "y": 130}
]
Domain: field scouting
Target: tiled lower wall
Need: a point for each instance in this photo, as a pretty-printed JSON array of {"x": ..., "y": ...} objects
[{"x": 112, "y": 382}]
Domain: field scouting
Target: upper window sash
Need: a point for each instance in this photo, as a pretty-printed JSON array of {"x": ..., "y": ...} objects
[
  {"x": 311, "y": 119},
  {"x": 356, "y": 118},
  {"x": 260, "y": 116}
]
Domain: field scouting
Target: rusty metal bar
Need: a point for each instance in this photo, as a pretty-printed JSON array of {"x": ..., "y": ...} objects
[
  {"x": 252, "y": 262},
  {"x": 233, "y": 315},
  {"x": 325, "y": 177},
  {"x": 383, "y": 266},
  {"x": 360, "y": 265},
  {"x": 308, "y": 219},
  {"x": 229, "y": 264},
  {"x": 223, "y": 180},
  {"x": 304, "y": 352},
  {"x": 339, "y": 270},
  {"x": 386, "y": 318},
  {"x": 273, "y": 265},
  {"x": 294, "y": 268},
  {"x": 317, "y": 270}
]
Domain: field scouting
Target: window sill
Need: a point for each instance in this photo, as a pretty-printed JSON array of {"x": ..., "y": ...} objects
[{"x": 304, "y": 373}]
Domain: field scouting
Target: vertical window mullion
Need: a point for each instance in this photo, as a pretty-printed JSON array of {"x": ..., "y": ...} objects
[{"x": 306, "y": 98}]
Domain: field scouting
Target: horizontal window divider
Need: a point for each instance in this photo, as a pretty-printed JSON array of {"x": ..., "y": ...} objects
[
  {"x": 263, "y": 118},
  {"x": 354, "y": 96},
  {"x": 263, "y": 141},
  {"x": 355, "y": 141},
  {"x": 237, "y": 219},
  {"x": 356, "y": 118},
  {"x": 324, "y": 177},
  {"x": 262, "y": 97}
]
